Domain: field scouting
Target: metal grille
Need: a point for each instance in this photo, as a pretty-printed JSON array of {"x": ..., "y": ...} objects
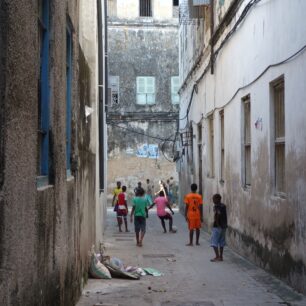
[{"x": 145, "y": 8}]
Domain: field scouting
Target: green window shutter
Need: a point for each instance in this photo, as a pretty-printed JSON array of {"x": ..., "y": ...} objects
[
  {"x": 141, "y": 99},
  {"x": 141, "y": 85},
  {"x": 145, "y": 90},
  {"x": 150, "y": 85}
]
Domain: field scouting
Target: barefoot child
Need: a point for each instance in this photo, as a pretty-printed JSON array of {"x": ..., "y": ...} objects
[
  {"x": 122, "y": 209},
  {"x": 139, "y": 211},
  {"x": 161, "y": 203},
  {"x": 219, "y": 228},
  {"x": 194, "y": 213}
]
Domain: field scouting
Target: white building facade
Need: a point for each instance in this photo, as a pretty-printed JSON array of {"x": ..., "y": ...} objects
[{"x": 243, "y": 127}]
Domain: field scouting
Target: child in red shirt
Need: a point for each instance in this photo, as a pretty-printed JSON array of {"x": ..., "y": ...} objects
[{"x": 122, "y": 209}]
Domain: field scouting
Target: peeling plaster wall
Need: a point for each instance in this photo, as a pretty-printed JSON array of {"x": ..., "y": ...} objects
[
  {"x": 45, "y": 233},
  {"x": 268, "y": 229},
  {"x": 137, "y": 48}
]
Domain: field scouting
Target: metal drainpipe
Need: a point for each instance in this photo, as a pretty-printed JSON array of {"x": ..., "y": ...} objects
[
  {"x": 101, "y": 88},
  {"x": 212, "y": 24}
]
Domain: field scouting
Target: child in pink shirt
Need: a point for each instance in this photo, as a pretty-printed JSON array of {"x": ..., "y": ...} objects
[{"x": 161, "y": 203}]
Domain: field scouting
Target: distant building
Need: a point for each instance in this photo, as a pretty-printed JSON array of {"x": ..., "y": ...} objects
[
  {"x": 242, "y": 91},
  {"x": 51, "y": 208},
  {"x": 143, "y": 84}
]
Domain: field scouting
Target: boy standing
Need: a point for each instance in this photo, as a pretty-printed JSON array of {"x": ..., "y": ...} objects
[
  {"x": 219, "y": 228},
  {"x": 122, "y": 209},
  {"x": 194, "y": 213},
  {"x": 140, "y": 211},
  {"x": 161, "y": 204}
]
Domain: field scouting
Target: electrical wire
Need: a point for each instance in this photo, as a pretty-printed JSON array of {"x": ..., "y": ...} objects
[
  {"x": 140, "y": 133},
  {"x": 261, "y": 74},
  {"x": 241, "y": 18}
]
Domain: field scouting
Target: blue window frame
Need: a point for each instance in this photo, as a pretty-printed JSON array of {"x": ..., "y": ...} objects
[
  {"x": 68, "y": 97},
  {"x": 44, "y": 89}
]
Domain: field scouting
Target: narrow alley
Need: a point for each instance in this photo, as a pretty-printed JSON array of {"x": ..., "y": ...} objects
[
  {"x": 183, "y": 102},
  {"x": 189, "y": 278}
]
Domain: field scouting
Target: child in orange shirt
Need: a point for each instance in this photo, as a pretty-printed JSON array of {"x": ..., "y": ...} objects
[{"x": 194, "y": 213}]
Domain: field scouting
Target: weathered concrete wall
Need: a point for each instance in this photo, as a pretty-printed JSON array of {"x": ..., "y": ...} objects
[
  {"x": 45, "y": 233},
  {"x": 88, "y": 37},
  {"x": 128, "y": 164},
  {"x": 139, "y": 49},
  {"x": 266, "y": 227}
]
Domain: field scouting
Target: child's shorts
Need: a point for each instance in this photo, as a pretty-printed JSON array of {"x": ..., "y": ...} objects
[
  {"x": 165, "y": 217},
  {"x": 218, "y": 237},
  {"x": 140, "y": 224}
]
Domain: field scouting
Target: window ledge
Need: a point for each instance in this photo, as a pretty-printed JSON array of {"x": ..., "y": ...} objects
[
  {"x": 42, "y": 183},
  {"x": 247, "y": 188},
  {"x": 70, "y": 177},
  {"x": 280, "y": 195}
]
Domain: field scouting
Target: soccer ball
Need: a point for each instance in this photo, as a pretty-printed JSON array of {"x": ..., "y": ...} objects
[{"x": 174, "y": 229}]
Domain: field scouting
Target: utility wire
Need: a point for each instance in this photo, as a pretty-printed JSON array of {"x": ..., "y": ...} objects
[
  {"x": 140, "y": 133},
  {"x": 241, "y": 18},
  {"x": 244, "y": 13}
]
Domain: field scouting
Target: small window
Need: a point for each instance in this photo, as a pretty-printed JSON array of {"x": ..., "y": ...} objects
[
  {"x": 222, "y": 156},
  {"x": 113, "y": 89},
  {"x": 145, "y": 8},
  {"x": 175, "y": 2},
  {"x": 247, "y": 171},
  {"x": 211, "y": 146},
  {"x": 145, "y": 90},
  {"x": 175, "y": 82},
  {"x": 279, "y": 135}
]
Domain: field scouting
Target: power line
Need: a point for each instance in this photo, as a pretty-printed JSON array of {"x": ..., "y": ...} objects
[
  {"x": 140, "y": 133},
  {"x": 244, "y": 13}
]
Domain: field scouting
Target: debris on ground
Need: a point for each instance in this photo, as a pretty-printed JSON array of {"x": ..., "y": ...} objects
[
  {"x": 97, "y": 269},
  {"x": 152, "y": 271},
  {"x": 106, "y": 267}
]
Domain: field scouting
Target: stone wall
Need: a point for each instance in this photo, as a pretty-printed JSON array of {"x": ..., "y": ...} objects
[
  {"x": 142, "y": 48},
  {"x": 45, "y": 232},
  {"x": 265, "y": 225}
]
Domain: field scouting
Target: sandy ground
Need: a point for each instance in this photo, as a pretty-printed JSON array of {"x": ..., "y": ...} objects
[{"x": 189, "y": 278}]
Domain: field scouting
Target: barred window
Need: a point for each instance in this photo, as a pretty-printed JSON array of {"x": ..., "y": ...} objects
[
  {"x": 145, "y": 8},
  {"x": 113, "y": 90}
]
